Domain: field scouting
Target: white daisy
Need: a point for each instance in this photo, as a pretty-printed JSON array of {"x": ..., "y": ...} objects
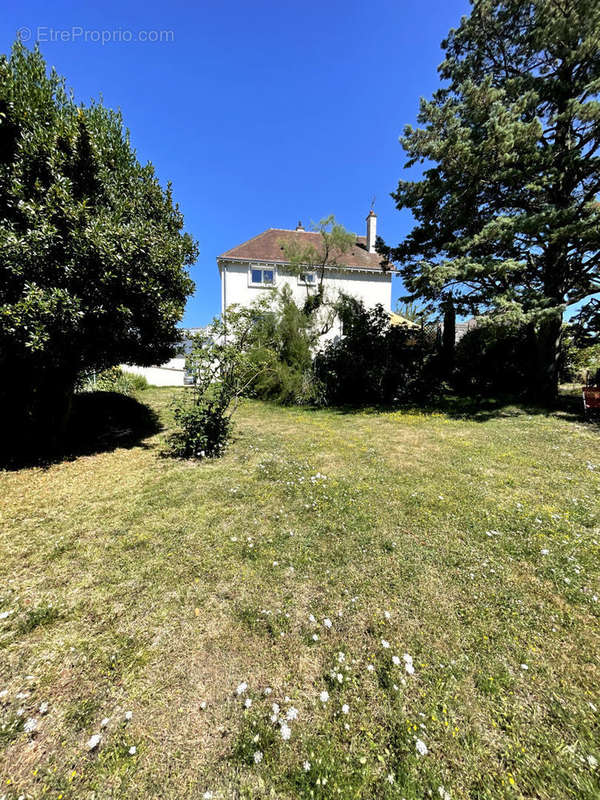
[
  {"x": 345, "y": 708},
  {"x": 30, "y": 725},
  {"x": 385, "y": 644},
  {"x": 324, "y": 696},
  {"x": 93, "y": 741},
  {"x": 241, "y": 687},
  {"x": 421, "y": 747},
  {"x": 306, "y": 766},
  {"x": 327, "y": 622},
  {"x": 285, "y": 731},
  {"x": 292, "y": 714},
  {"x": 258, "y": 757}
]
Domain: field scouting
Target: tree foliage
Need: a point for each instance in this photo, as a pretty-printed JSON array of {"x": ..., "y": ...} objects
[
  {"x": 507, "y": 213},
  {"x": 325, "y": 255},
  {"x": 92, "y": 255},
  {"x": 284, "y": 337}
]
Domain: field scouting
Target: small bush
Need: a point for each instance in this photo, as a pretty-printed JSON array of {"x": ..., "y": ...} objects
[{"x": 203, "y": 429}]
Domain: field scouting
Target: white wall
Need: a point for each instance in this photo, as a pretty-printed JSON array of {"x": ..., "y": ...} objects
[
  {"x": 370, "y": 287},
  {"x": 169, "y": 374}
]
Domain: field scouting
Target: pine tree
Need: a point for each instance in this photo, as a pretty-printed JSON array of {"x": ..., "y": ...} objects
[{"x": 507, "y": 213}]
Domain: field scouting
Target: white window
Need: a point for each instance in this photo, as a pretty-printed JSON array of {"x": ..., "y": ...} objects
[
  {"x": 307, "y": 279},
  {"x": 261, "y": 276}
]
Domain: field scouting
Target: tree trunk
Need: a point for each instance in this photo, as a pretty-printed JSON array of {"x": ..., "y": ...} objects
[
  {"x": 449, "y": 336},
  {"x": 544, "y": 385}
]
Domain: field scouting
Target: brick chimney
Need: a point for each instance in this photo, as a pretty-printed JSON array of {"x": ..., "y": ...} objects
[
  {"x": 299, "y": 226},
  {"x": 371, "y": 231}
]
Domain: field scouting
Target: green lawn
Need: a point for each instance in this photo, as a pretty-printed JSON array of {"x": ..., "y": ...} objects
[{"x": 466, "y": 549}]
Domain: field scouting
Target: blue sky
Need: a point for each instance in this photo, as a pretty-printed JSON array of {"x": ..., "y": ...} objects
[{"x": 259, "y": 113}]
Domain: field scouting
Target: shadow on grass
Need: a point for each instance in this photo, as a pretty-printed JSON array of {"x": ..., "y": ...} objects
[
  {"x": 99, "y": 422},
  {"x": 481, "y": 408}
]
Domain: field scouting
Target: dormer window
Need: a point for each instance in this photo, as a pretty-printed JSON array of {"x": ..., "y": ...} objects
[
  {"x": 262, "y": 276},
  {"x": 307, "y": 279}
]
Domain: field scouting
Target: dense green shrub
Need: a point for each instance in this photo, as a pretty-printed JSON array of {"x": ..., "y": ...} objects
[
  {"x": 115, "y": 379},
  {"x": 493, "y": 359},
  {"x": 375, "y": 362},
  {"x": 581, "y": 364}
]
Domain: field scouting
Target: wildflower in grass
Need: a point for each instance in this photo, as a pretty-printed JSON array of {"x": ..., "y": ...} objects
[
  {"x": 385, "y": 644},
  {"x": 341, "y": 657},
  {"x": 327, "y": 622},
  {"x": 30, "y": 725},
  {"x": 306, "y": 766},
  {"x": 345, "y": 708},
  {"x": 312, "y": 618},
  {"x": 258, "y": 757},
  {"x": 241, "y": 687},
  {"x": 128, "y": 716},
  {"x": 370, "y": 667},
  {"x": 292, "y": 714},
  {"x": 93, "y": 741},
  {"x": 592, "y": 761},
  {"x": 267, "y": 691},
  {"x": 390, "y": 777},
  {"x": 396, "y": 661},
  {"x": 207, "y": 796},
  {"x": 315, "y": 637},
  {"x": 443, "y": 793},
  {"x": 275, "y": 708},
  {"x": 387, "y": 614},
  {"x": 408, "y": 664},
  {"x": 105, "y": 722},
  {"x": 132, "y": 750},
  {"x": 248, "y": 702},
  {"x": 43, "y": 709},
  {"x": 324, "y": 696},
  {"x": 421, "y": 747},
  {"x": 524, "y": 666},
  {"x": 203, "y": 705},
  {"x": 285, "y": 731},
  {"x": 544, "y": 551}
]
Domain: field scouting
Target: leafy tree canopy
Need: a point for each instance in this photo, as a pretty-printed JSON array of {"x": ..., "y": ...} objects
[{"x": 93, "y": 260}]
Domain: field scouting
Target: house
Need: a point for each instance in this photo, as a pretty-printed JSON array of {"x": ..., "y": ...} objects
[{"x": 259, "y": 265}]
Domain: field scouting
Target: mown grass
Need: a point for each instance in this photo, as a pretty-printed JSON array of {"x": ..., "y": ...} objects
[{"x": 136, "y": 583}]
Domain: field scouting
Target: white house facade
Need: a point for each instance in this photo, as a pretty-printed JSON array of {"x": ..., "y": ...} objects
[{"x": 258, "y": 266}]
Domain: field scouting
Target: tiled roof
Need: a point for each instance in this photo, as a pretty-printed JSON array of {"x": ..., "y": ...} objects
[{"x": 268, "y": 246}]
